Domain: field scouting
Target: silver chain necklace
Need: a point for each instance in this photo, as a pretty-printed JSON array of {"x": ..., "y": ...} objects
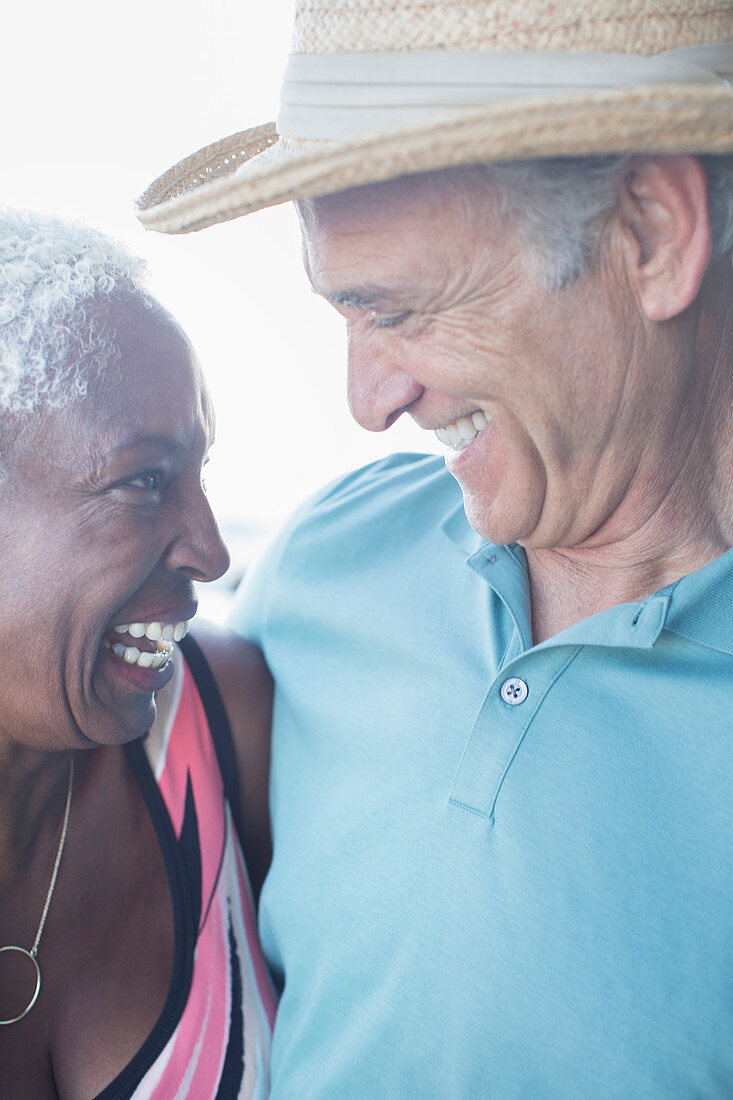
[{"x": 49, "y": 894}]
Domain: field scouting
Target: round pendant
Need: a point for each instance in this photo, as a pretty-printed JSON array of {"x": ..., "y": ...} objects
[{"x": 34, "y": 998}]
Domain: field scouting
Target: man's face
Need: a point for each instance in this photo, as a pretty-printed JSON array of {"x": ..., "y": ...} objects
[{"x": 448, "y": 320}]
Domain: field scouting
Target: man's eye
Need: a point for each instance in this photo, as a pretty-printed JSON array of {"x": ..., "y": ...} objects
[
  {"x": 151, "y": 481},
  {"x": 391, "y": 322}
]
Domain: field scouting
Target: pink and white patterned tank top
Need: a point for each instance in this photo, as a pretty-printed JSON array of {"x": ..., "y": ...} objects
[{"x": 212, "y": 1039}]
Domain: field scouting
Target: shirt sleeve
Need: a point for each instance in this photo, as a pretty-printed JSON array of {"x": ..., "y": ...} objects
[
  {"x": 248, "y": 616},
  {"x": 250, "y": 612},
  {"x": 265, "y": 579}
]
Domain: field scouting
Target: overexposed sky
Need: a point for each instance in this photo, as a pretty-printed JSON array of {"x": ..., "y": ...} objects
[{"x": 98, "y": 99}]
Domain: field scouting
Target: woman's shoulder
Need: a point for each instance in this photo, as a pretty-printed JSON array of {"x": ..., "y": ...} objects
[
  {"x": 245, "y": 686},
  {"x": 238, "y": 667}
]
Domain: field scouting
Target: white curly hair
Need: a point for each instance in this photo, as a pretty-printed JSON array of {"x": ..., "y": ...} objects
[{"x": 52, "y": 344}]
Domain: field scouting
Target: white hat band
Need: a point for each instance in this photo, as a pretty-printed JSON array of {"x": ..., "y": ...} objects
[{"x": 335, "y": 96}]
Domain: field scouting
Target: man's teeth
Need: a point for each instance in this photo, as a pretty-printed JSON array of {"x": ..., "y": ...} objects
[
  {"x": 168, "y": 632},
  {"x": 463, "y": 430}
]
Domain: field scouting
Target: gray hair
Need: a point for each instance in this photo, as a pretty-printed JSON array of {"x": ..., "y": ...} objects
[
  {"x": 561, "y": 204},
  {"x": 54, "y": 337}
]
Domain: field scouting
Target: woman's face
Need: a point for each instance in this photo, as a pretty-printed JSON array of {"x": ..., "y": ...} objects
[{"x": 104, "y": 523}]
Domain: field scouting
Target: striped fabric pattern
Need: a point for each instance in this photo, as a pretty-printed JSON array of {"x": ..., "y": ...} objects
[{"x": 220, "y": 1045}]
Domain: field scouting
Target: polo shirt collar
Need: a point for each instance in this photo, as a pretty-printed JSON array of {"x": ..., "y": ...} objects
[
  {"x": 460, "y": 532},
  {"x": 702, "y": 605},
  {"x": 697, "y": 607}
]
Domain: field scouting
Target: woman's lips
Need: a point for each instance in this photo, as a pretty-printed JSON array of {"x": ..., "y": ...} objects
[{"x": 147, "y": 678}]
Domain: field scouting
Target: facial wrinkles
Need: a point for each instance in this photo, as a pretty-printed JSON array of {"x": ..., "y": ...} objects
[
  {"x": 458, "y": 337},
  {"x": 470, "y": 346},
  {"x": 650, "y": 477},
  {"x": 635, "y": 432},
  {"x": 58, "y": 662},
  {"x": 372, "y": 251},
  {"x": 571, "y": 348},
  {"x": 72, "y": 632},
  {"x": 124, "y": 582},
  {"x": 550, "y": 393}
]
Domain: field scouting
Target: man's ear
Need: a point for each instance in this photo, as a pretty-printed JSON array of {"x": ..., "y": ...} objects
[{"x": 664, "y": 216}]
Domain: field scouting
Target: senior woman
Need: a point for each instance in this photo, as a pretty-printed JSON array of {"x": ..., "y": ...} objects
[{"x": 129, "y": 964}]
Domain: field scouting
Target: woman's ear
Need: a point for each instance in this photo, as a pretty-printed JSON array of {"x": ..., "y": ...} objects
[{"x": 664, "y": 216}]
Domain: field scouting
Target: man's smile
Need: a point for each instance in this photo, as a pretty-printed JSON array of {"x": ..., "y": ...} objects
[{"x": 463, "y": 430}]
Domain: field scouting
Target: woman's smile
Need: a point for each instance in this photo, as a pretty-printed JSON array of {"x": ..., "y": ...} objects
[
  {"x": 142, "y": 652},
  {"x": 123, "y": 506}
]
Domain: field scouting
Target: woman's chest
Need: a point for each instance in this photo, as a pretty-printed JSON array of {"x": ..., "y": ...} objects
[{"x": 105, "y": 958}]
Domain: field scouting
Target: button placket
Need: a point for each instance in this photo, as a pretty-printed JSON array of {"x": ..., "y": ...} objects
[{"x": 501, "y": 726}]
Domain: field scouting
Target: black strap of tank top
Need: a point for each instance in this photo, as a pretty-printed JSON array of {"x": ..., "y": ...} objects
[{"x": 221, "y": 732}]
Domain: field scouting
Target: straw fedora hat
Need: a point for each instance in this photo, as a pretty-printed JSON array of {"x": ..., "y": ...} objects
[{"x": 376, "y": 89}]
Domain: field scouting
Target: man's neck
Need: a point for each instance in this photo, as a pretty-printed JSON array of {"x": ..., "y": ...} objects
[
  {"x": 690, "y": 527},
  {"x": 649, "y": 542},
  {"x": 566, "y": 590}
]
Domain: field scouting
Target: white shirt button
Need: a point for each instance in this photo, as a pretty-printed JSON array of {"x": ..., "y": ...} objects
[{"x": 514, "y": 691}]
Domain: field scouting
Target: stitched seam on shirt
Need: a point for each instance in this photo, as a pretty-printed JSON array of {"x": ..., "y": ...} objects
[
  {"x": 520, "y": 742},
  {"x": 502, "y": 661},
  {"x": 467, "y": 808},
  {"x": 690, "y": 637},
  {"x": 464, "y": 754}
]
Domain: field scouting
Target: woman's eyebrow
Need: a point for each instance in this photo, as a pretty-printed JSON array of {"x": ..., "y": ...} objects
[
  {"x": 148, "y": 442},
  {"x": 169, "y": 444}
]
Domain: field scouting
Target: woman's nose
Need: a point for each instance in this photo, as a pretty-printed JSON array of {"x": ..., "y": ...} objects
[
  {"x": 379, "y": 390},
  {"x": 198, "y": 548}
]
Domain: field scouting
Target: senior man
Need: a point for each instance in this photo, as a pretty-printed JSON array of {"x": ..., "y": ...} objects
[{"x": 503, "y": 736}]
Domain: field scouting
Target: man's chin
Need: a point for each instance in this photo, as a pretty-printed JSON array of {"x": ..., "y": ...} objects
[
  {"x": 503, "y": 485},
  {"x": 502, "y": 526},
  {"x": 486, "y": 522}
]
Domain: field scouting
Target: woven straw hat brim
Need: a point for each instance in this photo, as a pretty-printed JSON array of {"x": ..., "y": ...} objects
[{"x": 254, "y": 169}]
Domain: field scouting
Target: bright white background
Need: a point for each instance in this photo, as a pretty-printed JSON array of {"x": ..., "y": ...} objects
[{"x": 96, "y": 99}]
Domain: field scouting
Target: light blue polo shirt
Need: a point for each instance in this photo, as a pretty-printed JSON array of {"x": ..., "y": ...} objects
[{"x": 501, "y": 870}]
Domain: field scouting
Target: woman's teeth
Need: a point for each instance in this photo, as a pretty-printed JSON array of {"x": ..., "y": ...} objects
[
  {"x": 133, "y": 656},
  {"x": 163, "y": 634},
  {"x": 169, "y": 632},
  {"x": 463, "y": 430}
]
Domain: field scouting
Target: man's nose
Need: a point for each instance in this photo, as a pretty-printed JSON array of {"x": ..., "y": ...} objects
[{"x": 379, "y": 389}]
